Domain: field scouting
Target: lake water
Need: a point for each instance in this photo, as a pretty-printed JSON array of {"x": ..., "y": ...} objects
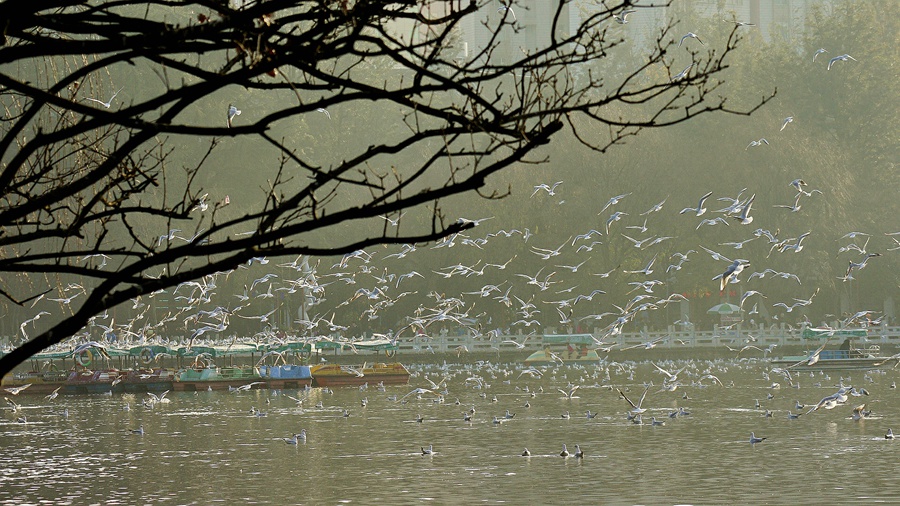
[{"x": 208, "y": 448}]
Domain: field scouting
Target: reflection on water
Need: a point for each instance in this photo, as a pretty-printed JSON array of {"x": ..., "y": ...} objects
[{"x": 209, "y": 447}]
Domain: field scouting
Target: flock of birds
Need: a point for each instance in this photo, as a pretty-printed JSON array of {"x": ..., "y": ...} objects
[
  {"x": 498, "y": 389},
  {"x": 390, "y": 294},
  {"x": 365, "y": 288}
]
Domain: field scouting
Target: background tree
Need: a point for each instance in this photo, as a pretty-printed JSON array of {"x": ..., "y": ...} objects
[{"x": 149, "y": 144}]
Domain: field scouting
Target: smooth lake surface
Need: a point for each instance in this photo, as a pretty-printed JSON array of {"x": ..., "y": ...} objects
[{"x": 207, "y": 447}]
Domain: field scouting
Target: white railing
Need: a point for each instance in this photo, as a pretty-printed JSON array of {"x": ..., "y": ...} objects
[{"x": 735, "y": 338}]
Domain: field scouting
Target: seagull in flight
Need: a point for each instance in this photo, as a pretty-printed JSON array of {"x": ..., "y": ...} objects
[
  {"x": 699, "y": 210},
  {"x": 636, "y": 409},
  {"x": 787, "y": 120},
  {"x": 109, "y": 103},
  {"x": 232, "y": 112},
  {"x": 616, "y": 216},
  {"x": 745, "y": 217},
  {"x": 550, "y": 189},
  {"x": 760, "y": 142},
  {"x": 571, "y": 393},
  {"x": 843, "y": 57},
  {"x": 794, "y": 208},
  {"x": 739, "y": 23},
  {"x": 691, "y": 35},
  {"x": 321, "y": 110},
  {"x": 613, "y": 201},
  {"x": 818, "y": 52},
  {"x": 622, "y": 17},
  {"x": 732, "y": 271},
  {"x": 655, "y": 208},
  {"x": 681, "y": 74},
  {"x": 648, "y": 270},
  {"x": 511, "y": 11}
]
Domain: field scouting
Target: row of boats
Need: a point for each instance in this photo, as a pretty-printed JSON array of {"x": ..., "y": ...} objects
[{"x": 81, "y": 380}]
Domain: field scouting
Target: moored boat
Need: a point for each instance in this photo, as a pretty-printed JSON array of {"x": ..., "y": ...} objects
[
  {"x": 845, "y": 357},
  {"x": 217, "y": 378},
  {"x": 148, "y": 380},
  {"x": 286, "y": 376},
  {"x": 87, "y": 381},
  {"x": 327, "y": 375},
  {"x": 39, "y": 382}
]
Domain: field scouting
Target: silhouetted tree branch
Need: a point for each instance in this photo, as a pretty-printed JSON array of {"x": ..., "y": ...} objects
[{"x": 105, "y": 187}]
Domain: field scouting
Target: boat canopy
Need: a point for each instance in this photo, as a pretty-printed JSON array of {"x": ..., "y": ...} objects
[
  {"x": 371, "y": 345},
  {"x": 155, "y": 349},
  {"x": 295, "y": 346},
  {"x": 818, "y": 333}
]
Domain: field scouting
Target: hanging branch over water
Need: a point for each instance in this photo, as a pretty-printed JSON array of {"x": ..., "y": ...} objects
[{"x": 100, "y": 99}]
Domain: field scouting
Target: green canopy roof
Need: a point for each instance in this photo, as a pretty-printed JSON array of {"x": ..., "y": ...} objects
[
  {"x": 812, "y": 333},
  {"x": 293, "y": 346},
  {"x": 155, "y": 349},
  {"x": 724, "y": 308},
  {"x": 372, "y": 345},
  {"x": 197, "y": 350}
]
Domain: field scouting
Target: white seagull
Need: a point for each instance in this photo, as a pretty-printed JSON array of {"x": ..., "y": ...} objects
[
  {"x": 699, "y": 210},
  {"x": 232, "y": 112},
  {"x": 818, "y": 52},
  {"x": 622, "y": 17},
  {"x": 681, "y": 74},
  {"x": 106, "y": 104},
  {"x": 732, "y": 271},
  {"x": 754, "y": 439},
  {"x": 511, "y": 12},
  {"x": 786, "y": 121},
  {"x": 745, "y": 217},
  {"x": 690, "y": 35},
  {"x": 843, "y": 57},
  {"x": 760, "y": 142}
]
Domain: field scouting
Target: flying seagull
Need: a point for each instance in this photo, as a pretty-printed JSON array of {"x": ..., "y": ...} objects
[
  {"x": 106, "y": 104},
  {"x": 691, "y": 35},
  {"x": 818, "y": 52},
  {"x": 699, "y": 209},
  {"x": 732, "y": 271},
  {"x": 232, "y": 112},
  {"x": 622, "y": 17},
  {"x": 843, "y": 57},
  {"x": 786, "y": 121}
]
